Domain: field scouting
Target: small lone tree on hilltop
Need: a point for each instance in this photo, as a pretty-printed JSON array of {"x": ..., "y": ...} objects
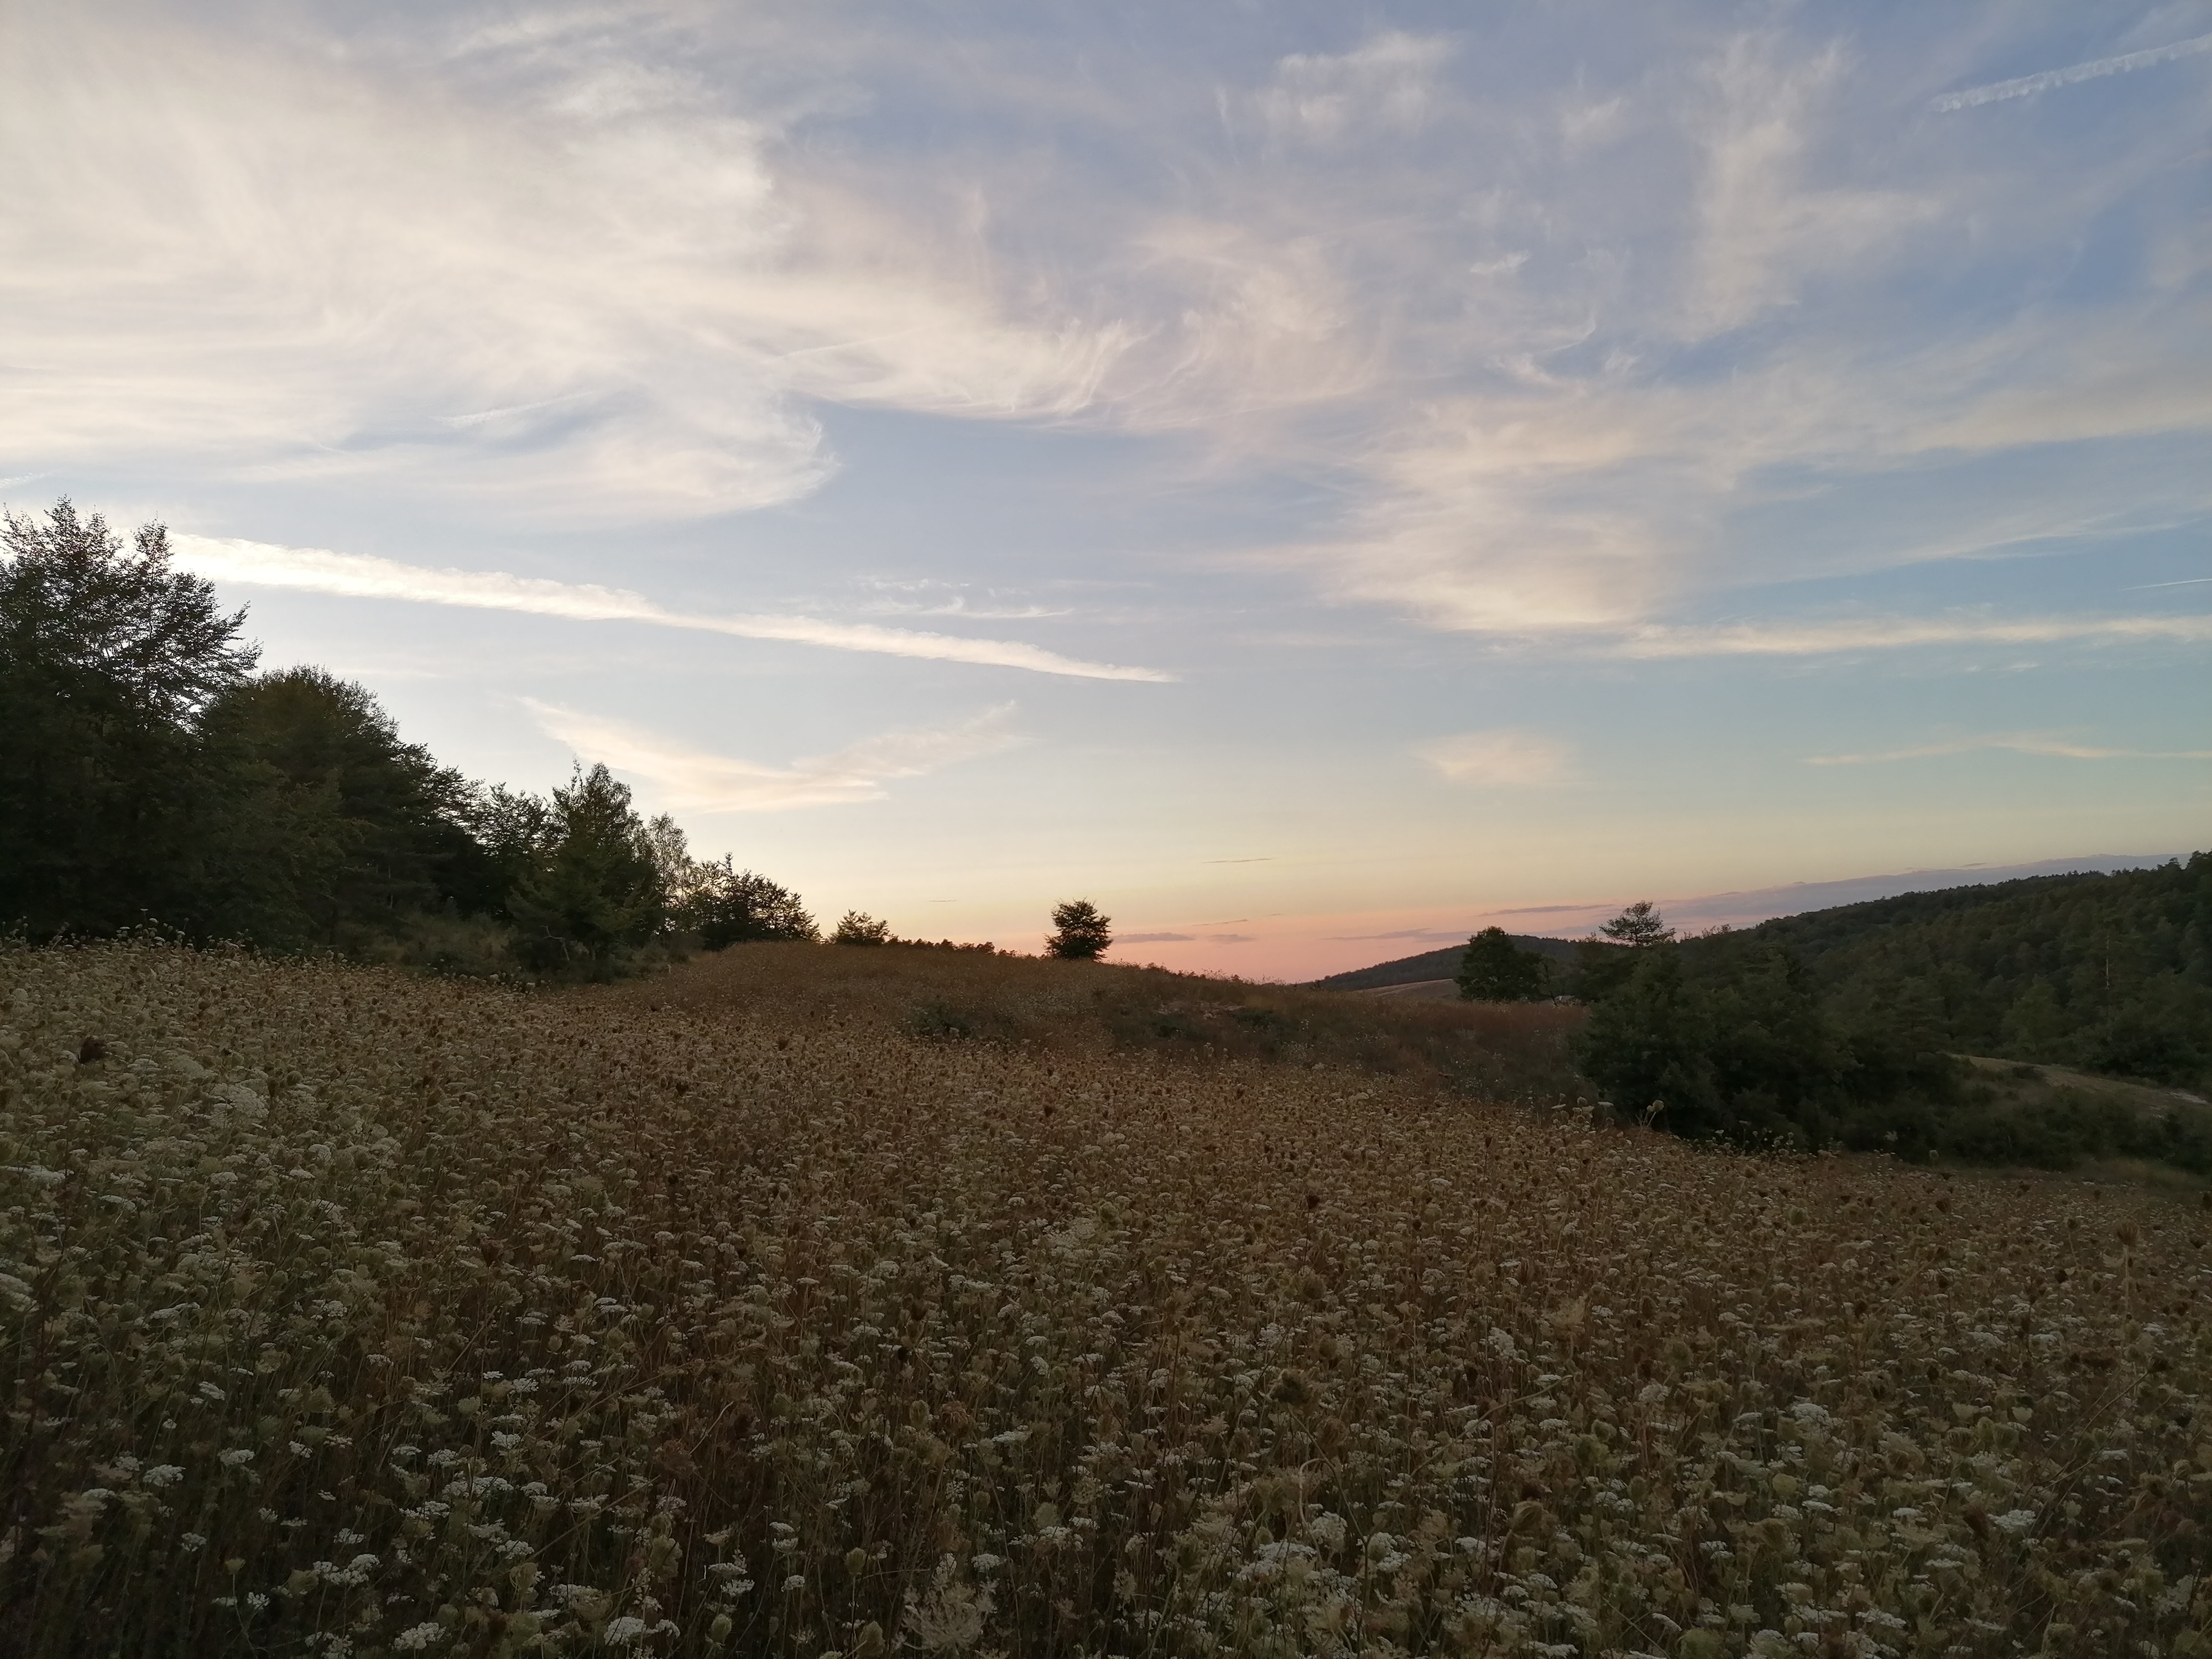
[
  {"x": 1496, "y": 969},
  {"x": 1081, "y": 934}
]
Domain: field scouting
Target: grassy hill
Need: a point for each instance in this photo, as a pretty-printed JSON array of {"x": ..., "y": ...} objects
[
  {"x": 1436, "y": 964},
  {"x": 349, "y": 1312}
]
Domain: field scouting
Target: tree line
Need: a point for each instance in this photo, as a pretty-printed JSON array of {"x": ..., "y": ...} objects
[{"x": 150, "y": 776}]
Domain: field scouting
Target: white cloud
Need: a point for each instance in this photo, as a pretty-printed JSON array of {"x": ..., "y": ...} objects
[
  {"x": 359, "y": 575},
  {"x": 684, "y": 779},
  {"x": 1386, "y": 84},
  {"x": 2051, "y": 744},
  {"x": 1499, "y": 756},
  {"x": 1541, "y": 335},
  {"x": 265, "y": 258},
  {"x": 1765, "y": 223}
]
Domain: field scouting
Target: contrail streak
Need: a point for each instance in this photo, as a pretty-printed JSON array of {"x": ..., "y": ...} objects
[
  {"x": 2019, "y": 743},
  {"x": 1901, "y": 633},
  {"x": 360, "y": 576},
  {"x": 2027, "y": 85}
]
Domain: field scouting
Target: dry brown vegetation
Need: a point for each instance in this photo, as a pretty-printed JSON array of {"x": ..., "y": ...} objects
[
  {"x": 1500, "y": 1051},
  {"x": 348, "y": 1313}
]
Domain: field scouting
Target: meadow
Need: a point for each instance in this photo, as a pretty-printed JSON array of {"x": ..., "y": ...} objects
[{"x": 350, "y": 1313}]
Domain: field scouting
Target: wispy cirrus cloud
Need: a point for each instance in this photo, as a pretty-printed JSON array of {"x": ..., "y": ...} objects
[
  {"x": 360, "y": 576},
  {"x": 2055, "y": 744},
  {"x": 1502, "y": 757},
  {"x": 686, "y": 778}
]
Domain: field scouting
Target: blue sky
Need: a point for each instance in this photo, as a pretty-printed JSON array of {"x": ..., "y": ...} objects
[{"x": 1310, "y": 478}]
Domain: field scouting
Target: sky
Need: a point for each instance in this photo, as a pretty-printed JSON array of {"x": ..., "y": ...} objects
[{"x": 1311, "y": 478}]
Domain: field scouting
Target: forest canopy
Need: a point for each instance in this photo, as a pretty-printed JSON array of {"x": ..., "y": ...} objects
[
  {"x": 1845, "y": 1026},
  {"x": 152, "y": 778}
]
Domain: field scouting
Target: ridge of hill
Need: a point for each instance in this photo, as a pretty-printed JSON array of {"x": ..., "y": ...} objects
[{"x": 1434, "y": 964}]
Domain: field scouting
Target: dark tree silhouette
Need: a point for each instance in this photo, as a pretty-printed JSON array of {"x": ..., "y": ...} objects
[
  {"x": 1496, "y": 969},
  {"x": 1080, "y": 933},
  {"x": 727, "y": 906},
  {"x": 1640, "y": 925},
  {"x": 107, "y": 659},
  {"x": 858, "y": 927}
]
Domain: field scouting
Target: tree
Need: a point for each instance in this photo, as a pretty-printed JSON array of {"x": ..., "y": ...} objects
[
  {"x": 1640, "y": 927},
  {"x": 727, "y": 906},
  {"x": 107, "y": 659},
  {"x": 1495, "y": 969},
  {"x": 1602, "y": 966},
  {"x": 335, "y": 827},
  {"x": 858, "y": 927},
  {"x": 1080, "y": 933},
  {"x": 1649, "y": 1045},
  {"x": 596, "y": 890}
]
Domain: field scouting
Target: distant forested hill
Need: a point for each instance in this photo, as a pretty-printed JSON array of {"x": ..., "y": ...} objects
[
  {"x": 2109, "y": 973},
  {"x": 1435, "y": 964}
]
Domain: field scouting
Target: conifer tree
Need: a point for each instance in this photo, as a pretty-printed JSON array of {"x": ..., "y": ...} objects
[{"x": 1080, "y": 933}]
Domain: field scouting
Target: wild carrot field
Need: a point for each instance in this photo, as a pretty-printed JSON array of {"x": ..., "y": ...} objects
[{"x": 353, "y": 1314}]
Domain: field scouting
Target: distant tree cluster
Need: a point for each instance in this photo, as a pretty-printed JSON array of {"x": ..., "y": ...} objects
[
  {"x": 858, "y": 927},
  {"x": 1843, "y": 1026},
  {"x": 2107, "y": 973},
  {"x": 150, "y": 776}
]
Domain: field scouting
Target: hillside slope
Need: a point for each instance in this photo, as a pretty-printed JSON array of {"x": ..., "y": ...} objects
[
  {"x": 1500, "y": 1052},
  {"x": 2109, "y": 973},
  {"x": 469, "y": 1322},
  {"x": 1436, "y": 964}
]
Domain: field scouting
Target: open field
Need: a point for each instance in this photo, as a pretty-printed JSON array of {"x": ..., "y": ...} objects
[
  {"x": 1501, "y": 1051},
  {"x": 348, "y": 1313}
]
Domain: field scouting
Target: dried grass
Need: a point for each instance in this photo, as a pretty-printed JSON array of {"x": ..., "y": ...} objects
[
  {"x": 1502, "y": 1051},
  {"x": 352, "y": 1313}
]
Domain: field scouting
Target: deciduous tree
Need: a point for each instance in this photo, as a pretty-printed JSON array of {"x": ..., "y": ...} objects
[
  {"x": 107, "y": 659},
  {"x": 1496, "y": 969}
]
